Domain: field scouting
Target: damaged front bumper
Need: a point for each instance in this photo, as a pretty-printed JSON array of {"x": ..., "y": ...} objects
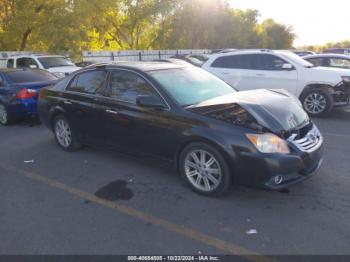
[
  {"x": 341, "y": 94},
  {"x": 280, "y": 171}
]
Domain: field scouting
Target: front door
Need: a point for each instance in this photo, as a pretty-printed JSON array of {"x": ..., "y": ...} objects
[{"x": 131, "y": 127}]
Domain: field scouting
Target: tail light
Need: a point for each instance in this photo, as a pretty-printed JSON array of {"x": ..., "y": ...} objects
[{"x": 26, "y": 93}]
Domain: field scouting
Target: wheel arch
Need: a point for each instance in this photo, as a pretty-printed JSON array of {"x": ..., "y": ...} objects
[
  {"x": 310, "y": 86},
  {"x": 54, "y": 112},
  {"x": 200, "y": 139}
]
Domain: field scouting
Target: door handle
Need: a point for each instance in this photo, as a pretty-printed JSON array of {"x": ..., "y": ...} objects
[
  {"x": 67, "y": 102},
  {"x": 110, "y": 111},
  {"x": 260, "y": 74}
]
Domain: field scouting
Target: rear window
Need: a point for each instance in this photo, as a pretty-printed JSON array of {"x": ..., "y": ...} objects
[{"x": 27, "y": 76}]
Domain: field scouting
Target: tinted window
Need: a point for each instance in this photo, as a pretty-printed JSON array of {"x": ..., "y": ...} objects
[
  {"x": 191, "y": 85},
  {"x": 234, "y": 61},
  {"x": 316, "y": 61},
  {"x": 26, "y": 62},
  {"x": 339, "y": 62},
  {"x": 126, "y": 86},
  {"x": 268, "y": 62},
  {"x": 89, "y": 82},
  {"x": 27, "y": 76},
  {"x": 49, "y": 62},
  {"x": 10, "y": 63}
]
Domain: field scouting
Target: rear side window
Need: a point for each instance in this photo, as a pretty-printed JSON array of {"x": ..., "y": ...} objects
[
  {"x": 127, "y": 86},
  {"x": 10, "y": 63},
  {"x": 89, "y": 82},
  {"x": 234, "y": 62},
  {"x": 27, "y": 76}
]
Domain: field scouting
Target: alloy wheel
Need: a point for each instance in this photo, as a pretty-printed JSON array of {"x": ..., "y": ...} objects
[
  {"x": 3, "y": 115},
  {"x": 315, "y": 103},
  {"x": 63, "y": 133},
  {"x": 203, "y": 170}
]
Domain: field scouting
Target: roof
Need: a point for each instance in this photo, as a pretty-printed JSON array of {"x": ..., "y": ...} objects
[
  {"x": 34, "y": 55},
  {"x": 327, "y": 55},
  {"x": 142, "y": 66}
]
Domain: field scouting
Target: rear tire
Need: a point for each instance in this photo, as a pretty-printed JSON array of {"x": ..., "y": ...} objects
[
  {"x": 205, "y": 169},
  {"x": 317, "y": 102},
  {"x": 65, "y": 135},
  {"x": 4, "y": 116}
]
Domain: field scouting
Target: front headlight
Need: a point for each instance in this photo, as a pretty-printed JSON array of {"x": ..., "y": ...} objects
[
  {"x": 269, "y": 143},
  {"x": 346, "y": 79},
  {"x": 59, "y": 74}
]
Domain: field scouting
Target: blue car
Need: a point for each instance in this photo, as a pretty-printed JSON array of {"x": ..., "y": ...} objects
[{"x": 19, "y": 89}]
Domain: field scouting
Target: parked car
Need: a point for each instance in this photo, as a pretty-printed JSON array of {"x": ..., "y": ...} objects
[
  {"x": 60, "y": 66},
  {"x": 221, "y": 51},
  {"x": 195, "y": 60},
  {"x": 302, "y": 53},
  {"x": 213, "y": 134},
  {"x": 173, "y": 61},
  {"x": 344, "y": 51},
  {"x": 329, "y": 60},
  {"x": 19, "y": 92},
  {"x": 320, "y": 89},
  {"x": 85, "y": 63}
]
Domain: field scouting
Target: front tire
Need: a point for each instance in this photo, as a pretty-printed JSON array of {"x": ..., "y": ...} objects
[
  {"x": 317, "y": 102},
  {"x": 65, "y": 135},
  {"x": 205, "y": 169}
]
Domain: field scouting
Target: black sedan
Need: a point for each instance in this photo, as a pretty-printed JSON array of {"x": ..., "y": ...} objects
[
  {"x": 19, "y": 89},
  {"x": 212, "y": 133}
]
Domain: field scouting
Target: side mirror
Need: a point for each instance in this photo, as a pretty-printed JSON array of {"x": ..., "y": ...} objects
[
  {"x": 150, "y": 102},
  {"x": 287, "y": 67},
  {"x": 33, "y": 66}
]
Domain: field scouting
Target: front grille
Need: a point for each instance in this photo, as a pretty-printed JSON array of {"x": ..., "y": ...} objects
[{"x": 308, "y": 143}]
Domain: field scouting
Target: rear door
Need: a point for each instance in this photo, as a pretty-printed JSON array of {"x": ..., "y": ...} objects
[
  {"x": 236, "y": 70},
  {"x": 79, "y": 102}
]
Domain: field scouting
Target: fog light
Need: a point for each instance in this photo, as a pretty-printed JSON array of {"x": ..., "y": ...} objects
[{"x": 278, "y": 180}]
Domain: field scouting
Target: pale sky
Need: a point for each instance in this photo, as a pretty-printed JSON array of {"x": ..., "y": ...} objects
[{"x": 314, "y": 21}]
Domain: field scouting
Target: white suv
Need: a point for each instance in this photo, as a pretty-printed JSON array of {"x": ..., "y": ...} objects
[
  {"x": 320, "y": 89},
  {"x": 60, "y": 66}
]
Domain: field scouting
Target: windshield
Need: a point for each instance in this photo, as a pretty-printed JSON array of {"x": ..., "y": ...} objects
[
  {"x": 190, "y": 85},
  {"x": 28, "y": 76},
  {"x": 58, "y": 61},
  {"x": 296, "y": 59}
]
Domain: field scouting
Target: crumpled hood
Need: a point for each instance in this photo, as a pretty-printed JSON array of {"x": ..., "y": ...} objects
[
  {"x": 276, "y": 110},
  {"x": 63, "y": 69}
]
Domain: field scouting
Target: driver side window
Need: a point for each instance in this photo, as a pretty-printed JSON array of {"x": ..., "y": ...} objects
[
  {"x": 127, "y": 86},
  {"x": 270, "y": 62},
  {"x": 26, "y": 62}
]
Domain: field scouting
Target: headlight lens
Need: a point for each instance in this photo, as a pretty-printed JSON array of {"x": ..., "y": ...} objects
[
  {"x": 59, "y": 74},
  {"x": 346, "y": 79},
  {"x": 269, "y": 143}
]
